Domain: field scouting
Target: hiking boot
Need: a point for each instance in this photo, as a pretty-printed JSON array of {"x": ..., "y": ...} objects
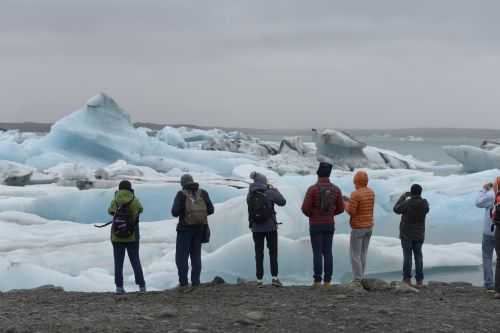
[
  {"x": 182, "y": 288},
  {"x": 420, "y": 284},
  {"x": 407, "y": 281},
  {"x": 490, "y": 290},
  {"x": 327, "y": 285},
  {"x": 316, "y": 285},
  {"x": 356, "y": 284},
  {"x": 142, "y": 289},
  {"x": 260, "y": 284},
  {"x": 276, "y": 283},
  {"x": 120, "y": 291}
]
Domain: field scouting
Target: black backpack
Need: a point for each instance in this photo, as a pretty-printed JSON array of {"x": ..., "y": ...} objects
[
  {"x": 495, "y": 211},
  {"x": 260, "y": 208},
  {"x": 123, "y": 224},
  {"x": 326, "y": 198}
]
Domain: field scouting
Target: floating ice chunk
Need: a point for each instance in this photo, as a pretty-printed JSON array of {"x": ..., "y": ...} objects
[
  {"x": 475, "y": 159},
  {"x": 15, "y": 174},
  {"x": 172, "y": 137},
  {"x": 71, "y": 171},
  {"x": 293, "y": 143}
]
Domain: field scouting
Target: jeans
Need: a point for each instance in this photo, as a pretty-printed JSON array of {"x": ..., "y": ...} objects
[
  {"x": 488, "y": 246},
  {"x": 497, "y": 250},
  {"x": 132, "y": 249},
  {"x": 413, "y": 248},
  {"x": 360, "y": 239},
  {"x": 321, "y": 242},
  {"x": 271, "y": 238},
  {"x": 188, "y": 246}
]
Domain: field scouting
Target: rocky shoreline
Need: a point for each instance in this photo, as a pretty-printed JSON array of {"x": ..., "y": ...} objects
[{"x": 219, "y": 307}]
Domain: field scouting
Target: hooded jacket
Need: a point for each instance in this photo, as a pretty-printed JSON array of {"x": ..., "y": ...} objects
[
  {"x": 179, "y": 206},
  {"x": 122, "y": 197},
  {"x": 413, "y": 210},
  {"x": 486, "y": 199},
  {"x": 311, "y": 207},
  {"x": 274, "y": 197},
  {"x": 361, "y": 204}
]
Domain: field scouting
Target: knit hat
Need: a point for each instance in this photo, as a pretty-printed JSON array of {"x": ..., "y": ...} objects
[
  {"x": 324, "y": 169},
  {"x": 186, "y": 179},
  {"x": 258, "y": 178},
  {"x": 125, "y": 185},
  {"x": 416, "y": 190}
]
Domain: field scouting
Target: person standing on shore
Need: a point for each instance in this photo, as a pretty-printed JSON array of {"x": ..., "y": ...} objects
[
  {"x": 261, "y": 199},
  {"x": 413, "y": 209},
  {"x": 323, "y": 201},
  {"x": 360, "y": 207},
  {"x": 192, "y": 206},
  {"x": 126, "y": 209},
  {"x": 486, "y": 199}
]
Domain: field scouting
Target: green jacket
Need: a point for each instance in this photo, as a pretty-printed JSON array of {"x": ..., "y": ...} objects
[{"x": 122, "y": 197}]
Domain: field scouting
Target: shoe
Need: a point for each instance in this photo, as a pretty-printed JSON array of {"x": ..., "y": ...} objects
[
  {"x": 407, "y": 281},
  {"x": 497, "y": 295},
  {"x": 182, "y": 288},
  {"x": 120, "y": 291},
  {"x": 142, "y": 289},
  {"x": 420, "y": 284},
  {"x": 327, "y": 285},
  {"x": 356, "y": 284},
  {"x": 260, "y": 283},
  {"x": 276, "y": 283},
  {"x": 316, "y": 285},
  {"x": 490, "y": 290}
]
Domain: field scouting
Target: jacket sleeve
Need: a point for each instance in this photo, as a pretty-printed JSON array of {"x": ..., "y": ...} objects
[
  {"x": 277, "y": 197},
  {"x": 339, "y": 205},
  {"x": 352, "y": 205},
  {"x": 112, "y": 207},
  {"x": 307, "y": 204},
  {"x": 178, "y": 206},
  {"x": 426, "y": 206},
  {"x": 485, "y": 199},
  {"x": 401, "y": 205},
  {"x": 210, "y": 206}
]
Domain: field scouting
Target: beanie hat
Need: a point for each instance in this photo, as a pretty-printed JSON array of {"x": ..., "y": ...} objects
[
  {"x": 324, "y": 169},
  {"x": 186, "y": 179},
  {"x": 258, "y": 178},
  {"x": 416, "y": 190},
  {"x": 125, "y": 185}
]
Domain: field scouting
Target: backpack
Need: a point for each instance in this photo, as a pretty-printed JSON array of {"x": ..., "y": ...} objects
[
  {"x": 196, "y": 212},
  {"x": 326, "y": 198},
  {"x": 495, "y": 210},
  {"x": 123, "y": 223},
  {"x": 260, "y": 208}
]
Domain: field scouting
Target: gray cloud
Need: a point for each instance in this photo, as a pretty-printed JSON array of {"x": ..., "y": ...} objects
[{"x": 296, "y": 64}]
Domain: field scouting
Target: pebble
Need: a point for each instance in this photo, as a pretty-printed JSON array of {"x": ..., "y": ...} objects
[
  {"x": 255, "y": 315},
  {"x": 168, "y": 313}
]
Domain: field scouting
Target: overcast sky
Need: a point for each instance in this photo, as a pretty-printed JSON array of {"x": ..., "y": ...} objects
[{"x": 256, "y": 63}]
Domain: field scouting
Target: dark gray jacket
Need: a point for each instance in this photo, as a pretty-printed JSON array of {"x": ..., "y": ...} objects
[
  {"x": 275, "y": 197},
  {"x": 413, "y": 209}
]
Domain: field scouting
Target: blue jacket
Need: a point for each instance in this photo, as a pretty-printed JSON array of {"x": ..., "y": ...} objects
[
  {"x": 486, "y": 200},
  {"x": 275, "y": 197}
]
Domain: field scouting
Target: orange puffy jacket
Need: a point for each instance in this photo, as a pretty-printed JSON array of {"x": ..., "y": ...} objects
[{"x": 362, "y": 203}]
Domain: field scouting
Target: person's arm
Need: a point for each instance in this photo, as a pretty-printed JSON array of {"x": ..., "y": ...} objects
[
  {"x": 485, "y": 199},
  {"x": 178, "y": 206},
  {"x": 307, "y": 204},
  {"x": 339, "y": 205},
  {"x": 352, "y": 205},
  {"x": 210, "y": 206},
  {"x": 426, "y": 206},
  {"x": 401, "y": 205},
  {"x": 277, "y": 197},
  {"x": 112, "y": 207}
]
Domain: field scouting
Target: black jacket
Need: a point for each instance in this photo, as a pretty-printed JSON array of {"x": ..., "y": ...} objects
[
  {"x": 413, "y": 210},
  {"x": 178, "y": 208}
]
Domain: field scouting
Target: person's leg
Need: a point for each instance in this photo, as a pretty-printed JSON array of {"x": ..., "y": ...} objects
[
  {"x": 182, "y": 256},
  {"x": 135, "y": 261},
  {"x": 356, "y": 244},
  {"x": 317, "y": 243},
  {"x": 407, "y": 258},
  {"x": 258, "y": 239},
  {"x": 488, "y": 246},
  {"x": 367, "y": 234},
  {"x": 419, "y": 260},
  {"x": 272, "y": 245},
  {"x": 119, "y": 257},
  {"x": 327, "y": 255},
  {"x": 195, "y": 254},
  {"x": 497, "y": 269}
]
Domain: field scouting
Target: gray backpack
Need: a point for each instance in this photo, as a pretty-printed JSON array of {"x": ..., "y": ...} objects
[{"x": 196, "y": 212}]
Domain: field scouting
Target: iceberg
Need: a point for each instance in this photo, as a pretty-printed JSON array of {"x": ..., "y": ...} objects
[
  {"x": 474, "y": 159},
  {"x": 15, "y": 174}
]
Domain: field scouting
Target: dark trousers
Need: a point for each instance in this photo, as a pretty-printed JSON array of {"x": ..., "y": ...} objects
[
  {"x": 188, "y": 246},
  {"x": 497, "y": 250},
  {"x": 132, "y": 249},
  {"x": 321, "y": 242},
  {"x": 413, "y": 248},
  {"x": 271, "y": 238}
]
